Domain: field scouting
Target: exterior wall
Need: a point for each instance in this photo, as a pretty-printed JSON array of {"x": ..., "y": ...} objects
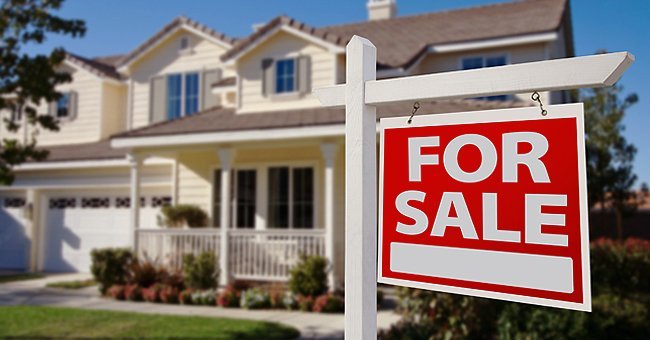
[
  {"x": 85, "y": 127},
  {"x": 195, "y": 178},
  {"x": 165, "y": 59},
  {"x": 113, "y": 109},
  {"x": 282, "y": 45}
]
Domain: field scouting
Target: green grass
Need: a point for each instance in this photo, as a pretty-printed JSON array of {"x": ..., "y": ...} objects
[
  {"x": 76, "y": 284},
  {"x": 53, "y": 322},
  {"x": 20, "y": 277}
]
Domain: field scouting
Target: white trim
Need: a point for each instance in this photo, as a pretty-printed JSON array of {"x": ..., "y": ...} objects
[
  {"x": 223, "y": 89},
  {"x": 492, "y": 43},
  {"x": 288, "y": 29},
  {"x": 161, "y": 40},
  {"x": 88, "y": 164},
  {"x": 230, "y": 137},
  {"x": 107, "y": 79}
]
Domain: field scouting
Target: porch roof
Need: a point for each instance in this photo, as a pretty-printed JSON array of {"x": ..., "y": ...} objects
[{"x": 227, "y": 120}]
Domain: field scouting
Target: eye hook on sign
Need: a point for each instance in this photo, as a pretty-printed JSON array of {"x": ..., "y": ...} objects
[
  {"x": 416, "y": 107},
  {"x": 536, "y": 97}
]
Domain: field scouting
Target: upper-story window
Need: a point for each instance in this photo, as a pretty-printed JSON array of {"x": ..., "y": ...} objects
[
  {"x": 65, "y": 107},
  {"x": 471, "y": 63},
  {"x": 182, "y": 94},
  {"x": 62, "y": 106},
  {"x": 285, "y": 76},
  {"x": 184, "y": 44}
]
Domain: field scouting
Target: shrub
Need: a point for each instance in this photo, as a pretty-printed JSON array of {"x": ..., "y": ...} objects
[
  {"x": 184, "y": 215},
  {"x": 152, "y": 294},
  {"x": 305, "y": 303},
  {"x": 109, "y": 266},
  {"x": 255, "y": 298},
  {"x": 309, "y": 276},
  {"x": 202, "y": 271},
  {"x": 144, "y": 273},
  {"x": 133, "y": 292},
  {"x": 631, "y": 259},
  {"x": 289, "y": 301},
  {"x": 185, "y": 297},
  {"x": 329, "y": 303},
  {"x": 229, "y": 297},
  {"x": 169, "y": 294},
  {"x": 209, "y": 297},
  {"x": 116, "y": 292},
  {"x": 197, "y": 297}
]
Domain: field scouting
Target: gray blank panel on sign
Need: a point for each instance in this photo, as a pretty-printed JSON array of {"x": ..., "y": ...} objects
[{"x": 551, "y": 273}]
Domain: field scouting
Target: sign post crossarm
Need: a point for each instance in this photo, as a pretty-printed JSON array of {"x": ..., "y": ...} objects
[{"x": 361, "y": 194}]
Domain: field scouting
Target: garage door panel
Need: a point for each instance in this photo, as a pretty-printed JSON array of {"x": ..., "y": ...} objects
[
  {"x": 13, "y": 236},
  {"x": 77, "y": 224}
]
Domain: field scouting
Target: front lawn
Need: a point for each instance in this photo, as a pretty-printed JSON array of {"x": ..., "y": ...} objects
[
  {"x": 20, "y": 277},
  {"x": 68, "y": 322}
]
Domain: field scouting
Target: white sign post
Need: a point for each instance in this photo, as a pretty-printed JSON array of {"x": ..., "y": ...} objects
[{"x": 362, "y": 93}]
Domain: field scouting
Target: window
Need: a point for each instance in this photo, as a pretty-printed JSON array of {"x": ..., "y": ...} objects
[
  {"x": 216, "y": 199},
  {"x": 16, "y": 115},
  {"x": 245, "y": 202},
  {"x": 182, "y": 94},
  {"x": 184, "y": 44},
  {"x": 63, "y": 106},
  {"x": 285, "y": 76},
  {"x": 291, "y": 198},
  {"x": 481, "y": 62}
]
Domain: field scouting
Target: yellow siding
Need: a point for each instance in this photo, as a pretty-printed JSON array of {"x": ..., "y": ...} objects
[
  {"x": 165, "y": 59},
  {"x": 195, "y": 178},
  {"x": 282, "y": 45},
  {"x": 114, "y": 109}
]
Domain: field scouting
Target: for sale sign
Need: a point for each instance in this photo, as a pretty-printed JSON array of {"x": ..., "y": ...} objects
[{"x": 489, "y": 203}]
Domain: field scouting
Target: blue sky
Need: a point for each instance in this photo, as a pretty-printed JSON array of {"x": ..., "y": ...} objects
[{"x": 117, "y": 26}]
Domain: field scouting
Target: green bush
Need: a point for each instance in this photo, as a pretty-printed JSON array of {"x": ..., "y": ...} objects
[
  {"x": 329, "y": 303},
  {"x": 144, "y": 273},
  {"x": 309, "y": 276},
  {"x": 109, "y": 266},
  {"x": 202, "y": 271},
  {"x": 255, "y": 298},
  {"x": 184, "y": 215}
]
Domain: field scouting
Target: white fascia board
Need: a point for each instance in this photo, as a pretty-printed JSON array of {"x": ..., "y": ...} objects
[
  {"x": 492, "y": 43},
  {"x": 89, "y": 164},
  {"x": 230, "y": 137},
  {"x": 329, "y": 46}
]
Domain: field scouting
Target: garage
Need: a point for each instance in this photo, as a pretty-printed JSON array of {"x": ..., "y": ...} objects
[
  {"x": 14, "y": 240},
  {"x": 77, "y": 223}
]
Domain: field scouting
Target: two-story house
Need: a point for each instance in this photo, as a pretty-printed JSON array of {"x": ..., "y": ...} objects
[{"x": 192, "y": 116}]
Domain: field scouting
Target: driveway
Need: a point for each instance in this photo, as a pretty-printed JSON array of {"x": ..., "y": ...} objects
[{"x": 310, "y": 325}]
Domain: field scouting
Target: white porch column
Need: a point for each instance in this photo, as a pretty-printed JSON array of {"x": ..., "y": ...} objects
[
  {"x": 135, "y": 162},
  {"x": 225, "y": 160},
  {"x": 329, "y": 154}
]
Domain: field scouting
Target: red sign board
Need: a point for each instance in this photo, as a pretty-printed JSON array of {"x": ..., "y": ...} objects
[{"x": 490, "y": 204}]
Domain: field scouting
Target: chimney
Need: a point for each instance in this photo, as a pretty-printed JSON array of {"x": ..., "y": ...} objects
[{"x": 381, "y": 9}]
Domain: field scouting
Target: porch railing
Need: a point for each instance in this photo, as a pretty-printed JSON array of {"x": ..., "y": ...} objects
[
  {"x": 265, "y": 255},
  {"x": 167, "y": 246}
]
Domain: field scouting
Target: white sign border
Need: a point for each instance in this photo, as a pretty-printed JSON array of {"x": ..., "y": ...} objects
[{"x": 575, "y": 110}]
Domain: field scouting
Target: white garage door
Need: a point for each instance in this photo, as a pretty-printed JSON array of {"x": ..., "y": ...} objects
[
  {"x": 13, "y": 237},
  {"x": 77, "y": 224}
]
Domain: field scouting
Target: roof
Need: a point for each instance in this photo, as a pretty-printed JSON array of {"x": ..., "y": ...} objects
[
  {"x": 230, "y": 81},
  {"x": 102, "y": 67},
  {"x": 178, "y": 22},
  {"x": 402, "y": 39},
  {"x": 83, "y": 152},
  {"x": 225, "y": 119}
]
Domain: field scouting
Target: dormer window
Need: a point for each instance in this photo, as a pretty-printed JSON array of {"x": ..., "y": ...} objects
[
  {"x": 62, "y": 106},
  {"x": 285, "y": 76},
  {"x": 65, "y": 107},
  {"x": 184, "y": 44}
]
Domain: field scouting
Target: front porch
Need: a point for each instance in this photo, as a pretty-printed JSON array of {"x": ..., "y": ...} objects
[{"x": 278, "y": 201}]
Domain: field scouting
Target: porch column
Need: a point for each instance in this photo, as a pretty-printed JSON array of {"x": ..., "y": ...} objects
[
  {"x": 225, "y": 160},
  {"x": 134, "y": 161},
  {"x": 329, "y": 153}
]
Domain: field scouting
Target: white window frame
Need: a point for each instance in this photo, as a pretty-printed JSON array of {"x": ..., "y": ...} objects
[{"x": 183, "y": 74}]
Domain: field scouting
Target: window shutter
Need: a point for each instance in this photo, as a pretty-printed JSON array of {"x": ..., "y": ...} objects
[
  {"x": 304, "y": 74},
  {"x": 209, "y": 99},
  {"x": 158, "y": 105},
  {"x": 72, "y": 105},
  {"x": 51, "y": 108},
  {"x": 268, "y": 77}
]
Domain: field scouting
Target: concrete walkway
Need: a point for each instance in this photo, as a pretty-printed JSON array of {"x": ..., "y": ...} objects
[{"x": 310, "y": 325}]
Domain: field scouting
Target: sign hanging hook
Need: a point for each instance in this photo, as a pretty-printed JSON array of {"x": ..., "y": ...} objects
[
  {"x": 536, "y": 97},
  {"x": 416, "y": 107}
]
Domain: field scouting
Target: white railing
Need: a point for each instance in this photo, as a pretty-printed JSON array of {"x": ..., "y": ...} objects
[
  {"x": 167, "y": 246},
  {"x": 269, "y": 255}
]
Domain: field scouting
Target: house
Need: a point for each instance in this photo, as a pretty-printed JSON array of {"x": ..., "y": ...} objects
[{"x": 192, "y": 116}]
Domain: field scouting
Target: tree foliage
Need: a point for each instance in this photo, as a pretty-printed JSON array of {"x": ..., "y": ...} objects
[
  {"x": 26, "y": 80},
  {"x": 610, "y": 157}
]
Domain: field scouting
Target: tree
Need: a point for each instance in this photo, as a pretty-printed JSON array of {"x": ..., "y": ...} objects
[
  {"x": 28, "y": 80},
  {"x": 610, "y": 176}
]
